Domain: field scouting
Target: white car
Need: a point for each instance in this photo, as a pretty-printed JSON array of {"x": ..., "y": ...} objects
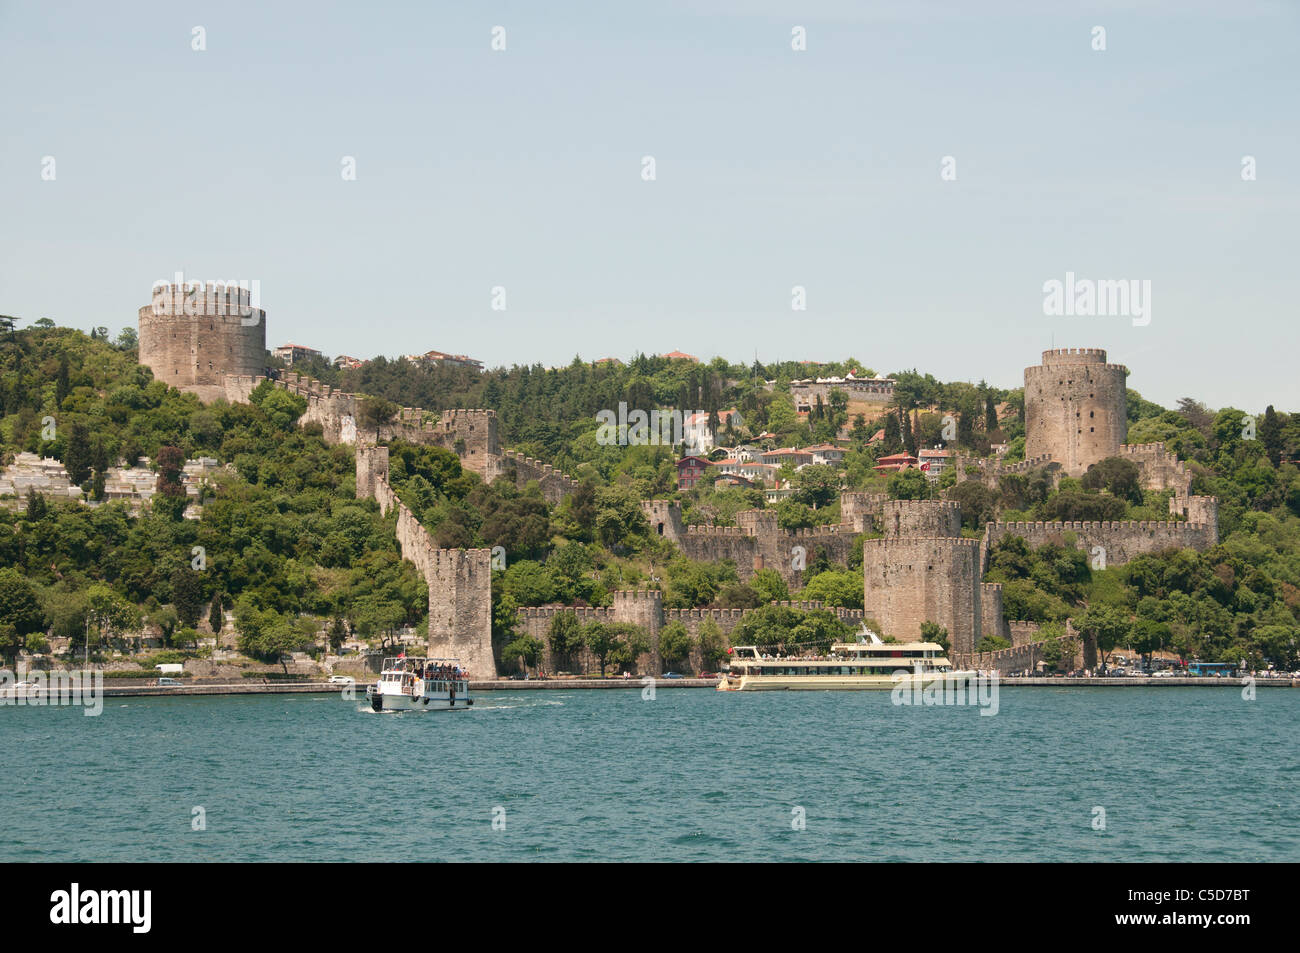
[{"x": 341, "y": 680}]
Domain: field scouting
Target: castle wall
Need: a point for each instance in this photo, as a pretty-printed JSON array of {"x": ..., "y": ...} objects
[
  {"x": 759, "y": 544},
  {"x": 1020, "y": 658},
  {"x": 1121, "y": 540},
  {"x": 1075, "y": 408},
  {"x": 459, "y": 580},
  {"x": 1161, "y": 468},
  {"x": 921, "y": 518},
  {"x": 665, "y": 518},
  {"x": 555, "y": 486}
]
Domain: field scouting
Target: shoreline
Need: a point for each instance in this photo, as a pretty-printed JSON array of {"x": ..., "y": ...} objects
[{"x": 583, "y": 684}]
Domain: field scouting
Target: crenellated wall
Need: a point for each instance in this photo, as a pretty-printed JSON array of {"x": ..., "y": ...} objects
[
  {"x": 1021, "y": 658},
  {"x": 1161, "y": 468},
  {"x": 459, "y": 580},
  {"x": 555, "y": 486},
  {"x": 1121, "y": 540}
]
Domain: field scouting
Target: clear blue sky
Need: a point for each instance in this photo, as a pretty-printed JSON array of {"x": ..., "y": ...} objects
[{"x": 775, "y": 168}]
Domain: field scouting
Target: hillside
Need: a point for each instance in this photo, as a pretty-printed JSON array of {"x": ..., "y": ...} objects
[{"x": 290, "y": 548}]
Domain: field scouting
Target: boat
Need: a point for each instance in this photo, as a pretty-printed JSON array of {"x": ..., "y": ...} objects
[
  {"x": 420, "y": 683},
  {"x": 867, "y": 664}
]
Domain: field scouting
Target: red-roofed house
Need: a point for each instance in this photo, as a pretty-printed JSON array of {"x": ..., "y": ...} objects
[
  {"x": 690, "y": 470},
  {"x": 934, "y": 462},
  {"x": 895, "y": 462}
]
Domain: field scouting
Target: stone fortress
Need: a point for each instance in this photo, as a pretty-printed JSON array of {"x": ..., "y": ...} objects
[
  {"x": 193, "y": 337},
  {"x": 917, "y": 567}
]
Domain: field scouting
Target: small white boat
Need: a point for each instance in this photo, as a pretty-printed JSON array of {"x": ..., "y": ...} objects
[{"x": 418, "y": 683}]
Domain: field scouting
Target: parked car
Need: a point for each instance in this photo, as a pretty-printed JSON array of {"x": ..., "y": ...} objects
[
  {"x": 164, "y": 682},
  {"x": 670, "y": 675},
  {"x": 341, "y": 679}
]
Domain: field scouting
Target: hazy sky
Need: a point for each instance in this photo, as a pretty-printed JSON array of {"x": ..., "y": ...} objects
[{"x": 774, "y": 168}]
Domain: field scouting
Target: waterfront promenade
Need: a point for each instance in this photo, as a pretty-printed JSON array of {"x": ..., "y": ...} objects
[{"x": 278, "y": 687}]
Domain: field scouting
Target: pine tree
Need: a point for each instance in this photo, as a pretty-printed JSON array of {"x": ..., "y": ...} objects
[
  {"x": 216, "y": 616},
  {"x": 893, "y": 434},
  {"x": 77, "y": 455},
  {"x": 1270, "y": 434}
]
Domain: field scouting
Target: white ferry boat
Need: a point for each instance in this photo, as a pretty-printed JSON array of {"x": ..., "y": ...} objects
[
  {"x": 417, "y": 683},
  {"x": 864, "y": 665}
]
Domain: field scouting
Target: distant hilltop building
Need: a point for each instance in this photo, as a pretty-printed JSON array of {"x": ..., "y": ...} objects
[
  {"x": 681, "y": 356},
  {"x": 346, "y": 362},
  {"x": 193, "y": 335},
  {"x": 451, "y": 360},
  {"x": 293, "y": 353},
  {"x": 805, "y": 392}
]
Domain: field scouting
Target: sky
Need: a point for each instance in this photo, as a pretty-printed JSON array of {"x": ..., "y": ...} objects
[{"x": 824, "y": 168}]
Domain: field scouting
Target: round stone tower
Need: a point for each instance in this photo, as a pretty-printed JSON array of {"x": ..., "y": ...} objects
[
  {"x": 1075, "y": 408},
  {"x": 192, "y": 336}
]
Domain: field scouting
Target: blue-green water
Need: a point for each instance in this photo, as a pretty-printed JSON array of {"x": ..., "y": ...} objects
[{"x": 1183, "y": 774}]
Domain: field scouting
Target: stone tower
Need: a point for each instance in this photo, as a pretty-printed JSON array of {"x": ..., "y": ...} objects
[
  {"x": 1075, "y": 408},
  {"x": 192, "y": 336},
  {"x": 923, "y": 571},
  {"x": 460, "y": 608}
]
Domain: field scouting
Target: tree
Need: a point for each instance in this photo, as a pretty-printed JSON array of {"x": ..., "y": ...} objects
[
  {"x": 20, "y": 611},
  {"x": 1108, "y": 626},
  {"x": 631, "y": 641},
  {"x": 675, "y": 643},
  {"x": 526, "y": 649},
  {"x": 187, "y": 596},
  {"x": 216, "y": 616},
  {"x": 910, "y": 484},
  {"x": 1147, "y": 637},
  {"x": 166, "y": 619},
  {"x": 933, "y": 632},
  {"x": 712, "y": 648},
  {"x": 565, "y": 636},
  {"x": 602, "y": 640},
  {"x": 835, "y": 588},
  {"x": 77, "y": 455},
  {"x": 338, "y": 634},
  {"x": 109, "y": 614}
]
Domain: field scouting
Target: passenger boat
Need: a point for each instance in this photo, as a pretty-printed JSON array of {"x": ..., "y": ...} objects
[
  {"x": 864, "y": 665},
  {"x": 418, "y": 683}
]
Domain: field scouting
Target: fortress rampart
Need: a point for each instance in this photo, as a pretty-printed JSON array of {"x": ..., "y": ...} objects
[
  {"x": 1161, "y": 468},
  {"x": 459, "y": 580},
  {"x": 1121, "y": 540}
]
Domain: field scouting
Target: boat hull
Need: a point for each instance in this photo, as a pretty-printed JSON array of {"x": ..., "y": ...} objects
[
  {"x": 843, "y": 683},
  {"x": 383, "y": 701}
]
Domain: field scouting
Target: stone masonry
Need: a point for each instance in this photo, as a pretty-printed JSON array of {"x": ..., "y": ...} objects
[{"x": 192, "y": 337}]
